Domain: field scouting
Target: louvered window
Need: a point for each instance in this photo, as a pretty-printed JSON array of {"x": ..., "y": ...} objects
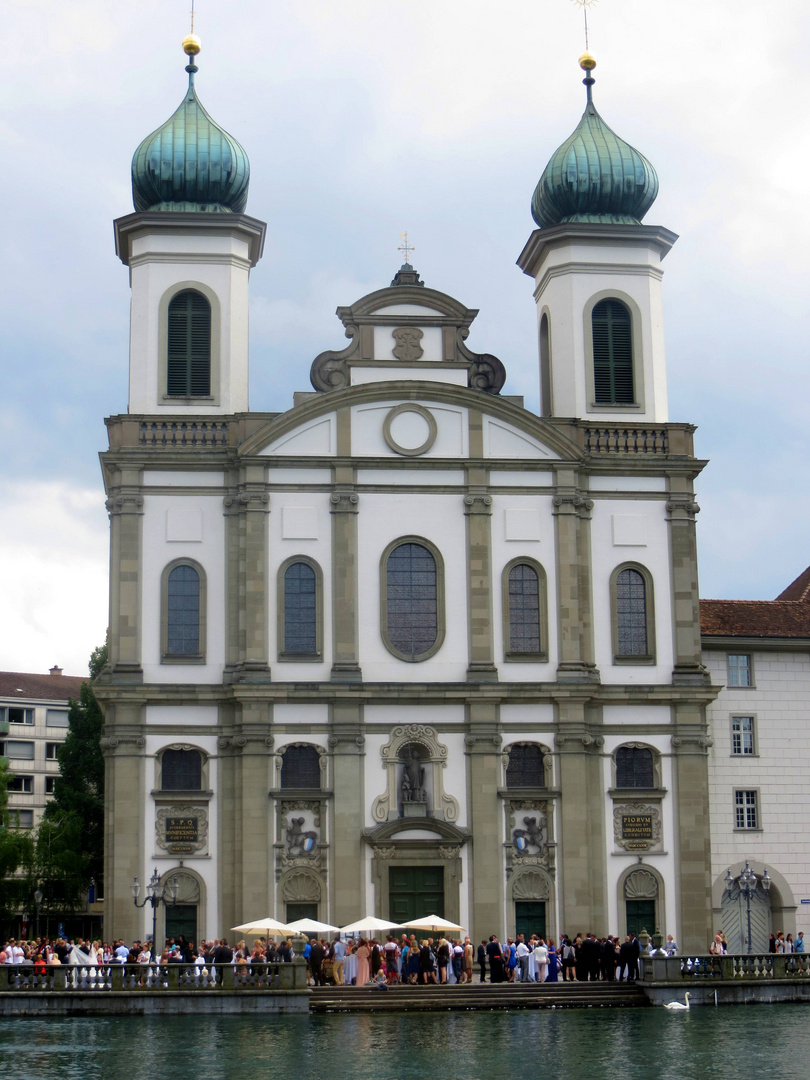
[
  {"x": 525, "y": 768},
  {"x": 412, "y": 615},
  {"x": 301, "y": 768},
  {"x": 181, "y": 770},
  {"x": 189, "y": 359},
  {"x": 634, "y": 767},
  {"x": 612, "y": 354},
  {"x": 183, "y": 623},
  {"x": 631, "y": 613},
  {"x": 300, "y": 611},
  {"x": 524, "y": 610}
]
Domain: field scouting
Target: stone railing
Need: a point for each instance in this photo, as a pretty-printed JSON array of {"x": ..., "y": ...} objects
[
  {"x": 157, "y": 977},
  {"x": 625, "y": 440},
  {"x": 732, "y": 966},
  {"x": 183, "y": 433}
]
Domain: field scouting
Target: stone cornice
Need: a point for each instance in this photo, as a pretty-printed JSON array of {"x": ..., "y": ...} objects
[{"x": 132, "y": 226}]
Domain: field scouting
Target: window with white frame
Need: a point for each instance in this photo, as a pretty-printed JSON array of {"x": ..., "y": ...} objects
[
  {"x": 746, "y": 810},
  {"x": 17, "y": 750},
  {"x": 739, "y": 669},
  {"x": 20, "y": 785},
  {"x": 52, "y": 751},
  {"x": 19, "y": 715},
  {"x": 742, "y": 735},
  {"x": 57, "y": 718},
  {"x": 21, "y": 819}
]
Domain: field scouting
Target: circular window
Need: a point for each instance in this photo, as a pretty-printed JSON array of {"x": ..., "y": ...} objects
[{"x": 410, "y": 430}]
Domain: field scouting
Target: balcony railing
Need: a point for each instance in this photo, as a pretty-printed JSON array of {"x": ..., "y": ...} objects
[
  {"x": 746, "y": 967},
  {"x": 153, "y": 977},
  {"x": 183, "y": 433}
]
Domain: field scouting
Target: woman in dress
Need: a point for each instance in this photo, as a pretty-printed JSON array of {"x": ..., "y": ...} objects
[
  {"x": 553, "y": 962},
  {"x": 412, "y": 967},
  {"x": 443, "y": 959},
  {"x": 363, "y": 954},
  {"x": 541, "y": 957}
]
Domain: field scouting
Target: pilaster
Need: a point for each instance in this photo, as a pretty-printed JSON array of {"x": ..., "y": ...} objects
[
  {"x": 681, "y": 512},
  {"x": 690, "y": 769},
  {"x": 124, "y": 815},
  {"x": 581, "y": 852},
  {"x": 347, "y": 871},
  {"x": 344, "y": 505},
  {"x": 572, "y": 532},
  {"x": 125, "y": 507},
  {"x": 251, "y": 503},
  {"x": 486, "y": 884},
  {"x": 478, "y": 517}
]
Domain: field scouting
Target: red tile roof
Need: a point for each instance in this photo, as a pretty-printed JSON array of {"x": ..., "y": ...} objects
[
  {"x": 788, "y": 616},
  {"x": 25, "y": 687}
]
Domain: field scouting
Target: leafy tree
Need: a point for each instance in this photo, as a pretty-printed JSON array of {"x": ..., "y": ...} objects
[{"x": 70, "y": 844}]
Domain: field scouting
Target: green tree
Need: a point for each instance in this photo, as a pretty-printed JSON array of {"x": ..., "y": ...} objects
[{"x": 70, "y": 843}]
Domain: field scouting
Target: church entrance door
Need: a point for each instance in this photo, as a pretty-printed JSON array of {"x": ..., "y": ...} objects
[
  {"x": 415, "y": 891},
  {"x": 181, "y": 919},
  {"x": 530, "y": 918}
]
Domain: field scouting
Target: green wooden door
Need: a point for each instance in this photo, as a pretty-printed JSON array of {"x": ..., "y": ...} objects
[
  {"x": 301, "y": 911},
  {"x": 640, "y": 916},
  {"x": 181, "y": 919},
  {"x": 415, "y": 891},
  {"x": 530, "y": 918}
]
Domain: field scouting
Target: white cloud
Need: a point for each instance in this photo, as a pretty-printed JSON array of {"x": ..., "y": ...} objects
[{"x": 53, "y": 576}]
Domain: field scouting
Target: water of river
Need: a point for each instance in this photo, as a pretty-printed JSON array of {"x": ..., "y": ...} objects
[{"x": 734, "y": 1042}]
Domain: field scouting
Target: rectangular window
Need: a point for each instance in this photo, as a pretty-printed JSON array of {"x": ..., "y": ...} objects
[
  {"x": 742, "y": 735},
  {"x": 49, "y": 782},
  {"x": 52, "y": 751},
  {"x": 21, "y": 785},
  {"x": 17, "y": 750},
  {"x": 56, "y": 718},
  {"x": 746, "y": 810},
  {"x": 17, "y": 715},
  {"x": 739, "y": 669},
  {"x": 21, "y": 819}
]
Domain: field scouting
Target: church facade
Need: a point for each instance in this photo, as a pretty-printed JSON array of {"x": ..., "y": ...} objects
[{"x": 405, "y": 647}]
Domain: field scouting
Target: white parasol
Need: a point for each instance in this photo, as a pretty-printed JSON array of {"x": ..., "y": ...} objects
[
  {"x": 370, "y": 925},
  {"x": 268, "y": 927},
  {"x": 310, "y": 926},
  {"x": 435, "y": 923}
]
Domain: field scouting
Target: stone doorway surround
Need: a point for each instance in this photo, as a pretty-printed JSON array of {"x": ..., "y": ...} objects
[{"x": 424, "y": 842}]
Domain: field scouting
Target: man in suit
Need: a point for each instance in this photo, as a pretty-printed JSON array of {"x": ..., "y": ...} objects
[{"x": 316, "y": 956}]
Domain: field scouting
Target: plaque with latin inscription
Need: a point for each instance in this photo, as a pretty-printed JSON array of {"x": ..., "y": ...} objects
[
  {"x": 637, "y": 827},
  {"x": 181, "y": 830}
]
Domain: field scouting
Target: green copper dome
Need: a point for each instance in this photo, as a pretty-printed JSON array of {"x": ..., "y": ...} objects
[
  {"x": 190, "y": 163},
  {"x": 594, "y": 176}
]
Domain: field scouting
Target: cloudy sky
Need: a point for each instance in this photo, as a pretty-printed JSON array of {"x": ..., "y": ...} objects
[{"x": 361, "y": 120}]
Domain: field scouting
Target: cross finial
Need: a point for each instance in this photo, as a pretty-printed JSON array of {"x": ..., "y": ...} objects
[
  {"x": 405, "y": 248},
  {"x": 192, "y": 16},
  {"x": 585, "y": 4}
]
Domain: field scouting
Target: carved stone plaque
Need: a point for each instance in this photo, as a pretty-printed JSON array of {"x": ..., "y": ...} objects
[
  {"x": 637, "y": 826},
  {"x": 182, "y": 830},
  {"x": 408, "y": 346}
]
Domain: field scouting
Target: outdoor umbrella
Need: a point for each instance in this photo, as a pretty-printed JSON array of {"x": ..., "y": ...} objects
[
  {"x": 268, "y": 927},
  {"x": 370, "y": 925},
  {"x": 310, "y": 926},
  {"x": 433, "y": 922}
]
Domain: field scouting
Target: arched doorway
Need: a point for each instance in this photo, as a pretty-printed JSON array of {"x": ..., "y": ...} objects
[
  {"x": 183, "y": 917},
  {"x": 734, "y": 920}
]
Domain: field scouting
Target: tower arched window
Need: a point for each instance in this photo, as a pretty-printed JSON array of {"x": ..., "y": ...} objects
[
  {"x": 300, "y": 623},
  {"x": 412, "y": 600},
  {"x": 525, "y": 611},
  {"x": 634, "y": 767},
  {"x": 612, "y": 353},
  {"x": 189, "y": 345},
  {"x": 633, "y": 616},
  {"x": 301, "y": 767},
  {"x": 181, "y": 770},
  {"x": 526, "y": 768},
  {"x": 183, "y": 614}
]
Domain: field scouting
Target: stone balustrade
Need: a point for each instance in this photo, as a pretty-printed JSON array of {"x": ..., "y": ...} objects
[
  {"x": 745, "y": 967},
  {"x": 155, "y": 976}
]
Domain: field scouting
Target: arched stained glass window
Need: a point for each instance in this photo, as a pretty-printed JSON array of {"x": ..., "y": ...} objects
[
  {"x": 411, "y": 601},
  {"x": 612, "y": 354},
  {"x": 631, "y": 614},
  {"x": 300, "y": 609},
  {"x": 189, "y": 345},
  {"x": 526, "y": 768},
  {"x": 634, "y": 767},
  {"x": 181, "y": 770},
  {"x": 183, "y": 612},
  {"x": 301, "y": 767}
]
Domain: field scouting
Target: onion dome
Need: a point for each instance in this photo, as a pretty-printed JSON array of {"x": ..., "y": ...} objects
[
  {"x": 594, "y": 176},
  {"x": 190, "y": 163}
]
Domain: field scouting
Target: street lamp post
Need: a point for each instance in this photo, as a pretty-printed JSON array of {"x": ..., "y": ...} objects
[
  {"x": 155, "y": 894},
  {"x": 747, "y": 883},
  {"x": 37, "y": 901}
]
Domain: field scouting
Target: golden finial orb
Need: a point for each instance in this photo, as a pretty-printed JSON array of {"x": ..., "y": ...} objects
[
  {"x": 191, "y": 45},
  {"x": 587, "y": 62}
]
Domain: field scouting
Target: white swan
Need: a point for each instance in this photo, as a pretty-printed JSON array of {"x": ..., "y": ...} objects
[{"x": 677, "y": 1006}]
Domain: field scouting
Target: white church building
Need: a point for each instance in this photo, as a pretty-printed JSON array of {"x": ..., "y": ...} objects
[{"x": 405, "y": 647}]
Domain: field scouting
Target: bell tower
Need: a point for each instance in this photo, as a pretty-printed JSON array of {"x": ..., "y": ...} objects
[
  {"x": 190, "y": 248},
  {"x": 597, "y": 273}
]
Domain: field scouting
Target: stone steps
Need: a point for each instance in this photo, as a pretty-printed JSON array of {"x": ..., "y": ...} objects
[{"x": 479, "y": 996}]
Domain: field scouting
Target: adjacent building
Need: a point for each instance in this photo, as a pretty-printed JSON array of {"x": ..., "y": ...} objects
[{"x": 405, "y": 647}]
